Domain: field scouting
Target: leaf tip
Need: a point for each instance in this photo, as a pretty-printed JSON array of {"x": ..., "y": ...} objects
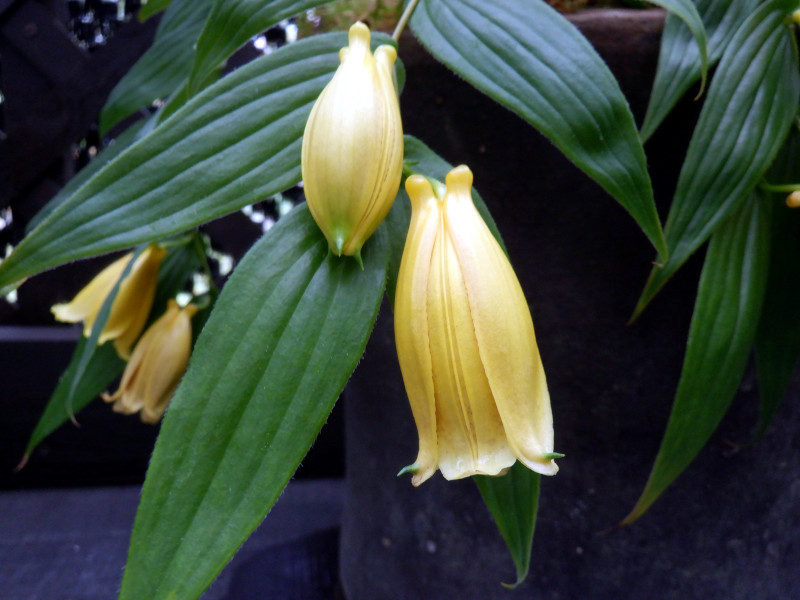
[{"x": 22, "y": 463}]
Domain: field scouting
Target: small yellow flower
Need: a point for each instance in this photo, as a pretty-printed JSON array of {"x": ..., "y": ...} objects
[
  {"x": 131, "y": 305},
  {"x": 157, "y": 365},
  {"x": 466, "y": 344},
  {"x": 352, "y": 156}
]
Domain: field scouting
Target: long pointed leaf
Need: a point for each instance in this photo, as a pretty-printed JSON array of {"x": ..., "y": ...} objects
[
  {"x": 513, "y": 500},
  {"x": 530, "y": 59},
  {"x": 751, "y": 104},
  {"x": 721, "y": 336},
  {"x": 96, "y": 376},
  {"x": 778, "y": 337},
  {"x": 679, "y": 61},
  {"x": 163, "y": 67},
  {"x": 285, "y": 335},
  {"x": 234, "y": 144},
  {"x": 231, "y": 24},
  {"x": 687, "y": 12}
]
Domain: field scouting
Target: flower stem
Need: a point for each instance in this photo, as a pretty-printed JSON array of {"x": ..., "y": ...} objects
[
  {"x": 779, "y": 189},
  {"x": 401, "y": 24}
]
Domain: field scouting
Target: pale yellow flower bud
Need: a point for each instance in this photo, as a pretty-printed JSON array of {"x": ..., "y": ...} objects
[
  {"x": 131, "y": 305},
  {"x": 157, "y": 365},
  {"x": 793, "y": 199},
  {"x": 352, "y": 156},
  {"x": 466, "y": 344}
]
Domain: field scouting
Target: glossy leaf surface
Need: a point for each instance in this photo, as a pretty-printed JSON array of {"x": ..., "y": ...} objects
[
  {"x": 513, "y": 500},
  {"x": 778, "y": 337},
  {"x": 231, "y": 24},
  {"x": 529, "y": 58},
  {"x": 234, "y": 144},
  {"x": 162, "y": 69},
  {"x": 679, "y": 61},
  {"x": 751, "y": 104},
  {"x": 286, "y": 333},
  {"x": 721, "y": 336}
]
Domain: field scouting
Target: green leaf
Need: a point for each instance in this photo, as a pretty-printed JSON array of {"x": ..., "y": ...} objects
[
  {"x": 529, "y": 58},
  {"x": 152, "y": 7},
  {"x": 231, "y": 24},
  {"x": 165, "y": 65},
  {"x": 687, "y": 12},
  {"x": 117, "y": 145},
  {"x": 92, "y": 367},
  {"x": 234, "y": 144},
  {"x": 679, "y": 61},
  {"x": 286, "y": 333},
  {"x": 750, "y": 106},
  {"x": 778, "y": 336},
  {"x": 76, "y": 388},
  {"x": 721, "y": 336},
  {"x": 513, "y": 500}
]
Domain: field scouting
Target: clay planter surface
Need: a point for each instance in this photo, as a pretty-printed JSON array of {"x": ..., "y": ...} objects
[{"x": 727, "y": 529}]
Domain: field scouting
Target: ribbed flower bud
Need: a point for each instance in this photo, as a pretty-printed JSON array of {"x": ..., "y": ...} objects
[
  {"x": 466, "y": 344},
  {"x": 352, "y": 156},
  {"x": 156, "y": 366},
  {"x": 131, "y": 305}
]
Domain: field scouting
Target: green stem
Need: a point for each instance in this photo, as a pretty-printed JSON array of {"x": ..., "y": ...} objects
[
  {"x": 401, "y": 24},
  {"x": 780, "y": 189}
]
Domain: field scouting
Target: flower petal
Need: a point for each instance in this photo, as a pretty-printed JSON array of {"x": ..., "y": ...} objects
[
  {"x": 411, "y": 322},
  {"x": 470, "y": 433},
  {"x": 504, "y": 329}
]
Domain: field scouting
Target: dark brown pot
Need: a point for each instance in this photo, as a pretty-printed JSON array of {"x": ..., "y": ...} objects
[{"x": 727, "y": 529}]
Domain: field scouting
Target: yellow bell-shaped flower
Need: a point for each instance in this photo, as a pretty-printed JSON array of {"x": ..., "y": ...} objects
[
  {"x": 466, "y": 344},
  {"x": 157, "y": 365},
  {"x": 131, "y": 305},
  {"x": 352, "y": 156}
]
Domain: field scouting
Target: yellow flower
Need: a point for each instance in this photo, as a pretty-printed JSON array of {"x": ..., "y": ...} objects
[
  {"x": 352, "y": 156},
  {"x": 157, "y": 365},
  {"x": 466, "y": 344},
  {"x": 131, "y": 305}
]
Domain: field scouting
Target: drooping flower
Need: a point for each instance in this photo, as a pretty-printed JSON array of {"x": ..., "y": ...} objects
[
  {"x": 352, "y": 157},
  {"x": 131, "y": 305},
  {"x": 158, "y": 362},
  {"x": 466, "y": 344}
]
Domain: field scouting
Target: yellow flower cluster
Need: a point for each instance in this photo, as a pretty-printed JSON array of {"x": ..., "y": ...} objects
[
  {"x": 466, "y": 344},
  {"x": 157, "y": 365},
  {"x": 464, "y": 334},
  {"x": 131, "y": 305},
  {"x": 160, "y": 357}
]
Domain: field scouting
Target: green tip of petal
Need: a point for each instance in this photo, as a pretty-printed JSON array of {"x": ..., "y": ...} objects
[
  {"x": 552, "y": 455},
  {"x": 338, "y": 244},
  {"x": 413, "y": 469}
]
